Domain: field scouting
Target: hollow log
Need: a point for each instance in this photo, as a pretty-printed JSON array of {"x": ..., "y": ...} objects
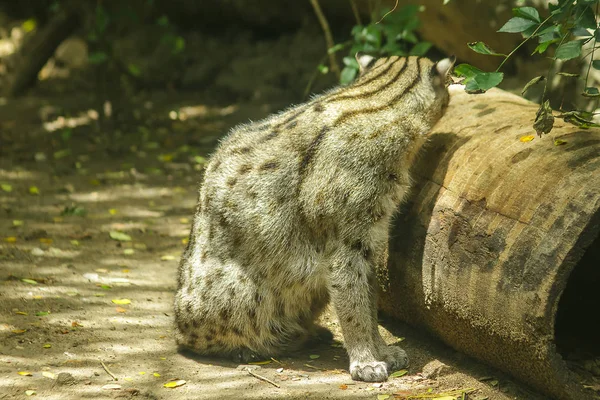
[{"x": 497, "y": 250}]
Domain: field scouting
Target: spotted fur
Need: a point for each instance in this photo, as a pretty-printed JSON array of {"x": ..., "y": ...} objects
[{"x": 294, "y": 212}]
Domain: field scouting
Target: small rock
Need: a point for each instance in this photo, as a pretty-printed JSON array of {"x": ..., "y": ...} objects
[
  {"x": 377, "y": 385},
  {"x": 435, "y": 369},
  {"x": 65, "y": 379},
  {"x": 36, "y": 251}
]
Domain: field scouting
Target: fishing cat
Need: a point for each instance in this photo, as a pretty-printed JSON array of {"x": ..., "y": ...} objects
[{"x": 294, "y": 212}]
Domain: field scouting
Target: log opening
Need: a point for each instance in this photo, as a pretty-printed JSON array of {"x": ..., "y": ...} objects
[{"x": 577, "y": 324}]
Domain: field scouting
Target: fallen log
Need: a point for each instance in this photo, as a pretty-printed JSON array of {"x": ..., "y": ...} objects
[
  {"x": 497, "y": 250},
  {"x": 25, "y": 64}
]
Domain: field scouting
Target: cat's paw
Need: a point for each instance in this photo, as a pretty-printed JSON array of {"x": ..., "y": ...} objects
[
  {"x": 395, "y": 358},
  {"x": 375, "y": 371}
]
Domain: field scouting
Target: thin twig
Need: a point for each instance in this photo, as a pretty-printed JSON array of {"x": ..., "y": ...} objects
[
  {"x": 262, "y": 378},
  {"x": 522, "y": 43},
  {"x": 355, "y": 12},
  {"x": 389, "y": 12},
  {"x": 328, "y": 37},
  {"x": 313, "y": 367},
  {"x": 108, "y": 371}
]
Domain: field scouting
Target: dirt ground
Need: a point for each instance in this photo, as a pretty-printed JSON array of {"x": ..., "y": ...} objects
[{"x": 86, "y": 312}]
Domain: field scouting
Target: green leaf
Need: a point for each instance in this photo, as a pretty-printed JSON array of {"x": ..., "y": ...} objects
[
  {"x": 482, "y": 48},
  {"x": 596, "y": 64},
  {"x": 178, "y": 45},
  {"x": 348, "y": 75},
  {"x": 350, "y": 62},
  {"x": 569, "y": 50},
  {"x": 529, "y": 13},
  {"x": 420, "y": 49},
  {"x": 163, "y": 21},
  {"x": 97, "y": 57},
  {"x": 483, "y": 81},
  {"x": 314, "y": 356},
  {"x": 336, "y": 48},
  {"x": 544, "y": 120},
  {"x": 120, "y": 236},
  {"x": 398, "y": 374},
  {"x": 532, "y": 82},
  {"x": 591, "y": 92},
  {"x": 587, "y": 17},
  {"x": 6, "y": 187},
  {"x": 134, "y": 70},
  {"x": 516, "y": 25},
  {"x": 466, "y": 70},
  {"x": 542, "y": 47},
  {"x": 30, "y": 281}
]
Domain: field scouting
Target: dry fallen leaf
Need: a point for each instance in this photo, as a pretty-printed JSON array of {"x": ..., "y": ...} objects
[
  {"x": 30, "y": 392},
  {"x": 121, "y": 301},
  {"x": 121, "y": 310},
  {"x": 111, "y": 386},
  {"x": 343, "y": 386},
  {"x": 48, "y": 375},
  {"x": 25, "y": 373}
]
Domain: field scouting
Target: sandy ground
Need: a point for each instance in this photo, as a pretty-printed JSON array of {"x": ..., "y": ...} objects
[{"x": 84, "y": 315}]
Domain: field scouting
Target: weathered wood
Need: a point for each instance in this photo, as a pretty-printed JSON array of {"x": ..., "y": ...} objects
[
  {"x": 37, "y": 50},
  {"x": 484, "y": 248}
]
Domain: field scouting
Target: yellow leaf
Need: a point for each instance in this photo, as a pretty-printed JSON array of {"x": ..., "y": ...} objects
[
  {"x": 165, "y": 157},
  {"x": 48, "y": 375},
  {"x": 163, "y": 358},
  {"x": 30, "y": 392},
  {"x": 10, "y": 239},
  {"x": 174, "y": 384},
  {"x": 185, "y": 240},
  {"x": 21, "y": 312},
  {"x": 559, "y": 142},
  {"x": 25, "y": 373},
  {"x": 113, "y": 211},
  {"x": 17, "y": 222},
  {"x": 37, "y": 297},
  {"x": 57, "y": 219},
  {"x": 167, "y": 258},
  {"x": 29, "y": 25},
  {"x": 184, "y": 220},
  {"x": 19, "y": 331},
  {"x": 46, "y": 240},
  {"x": 445, "y": 398},
  {"x": 527, "y": 138},
  {"x": 125, "y": 271},
  {"x": 260, "y": 362},
  {"x": 101, "y": 270},
  {"x": 95, "y": 182},
  {"x": 121, "y": 301},
  {"x": 34, "y": 190},
  {"x": 156, "y": 374},
  {"x": 75, "y": 242},
  {"x": 47, "y": 346},
  {"x": 128, "y": 379},
  {"x": 6, "y": 187},
  {"x": 383, "y": 396},
  {"x": 128, "y": 252},
  {"x": 142, "y": 373}
]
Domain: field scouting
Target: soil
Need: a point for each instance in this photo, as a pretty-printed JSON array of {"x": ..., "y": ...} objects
[{"x": 85, "y": 315}]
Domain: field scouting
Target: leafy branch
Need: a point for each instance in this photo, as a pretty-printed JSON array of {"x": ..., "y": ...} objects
[{"x": 570, "y": 26}]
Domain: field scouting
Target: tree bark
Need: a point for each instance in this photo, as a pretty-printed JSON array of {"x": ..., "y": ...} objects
[
  {"x": 482, "y": 252},
  {"x": 37, "y": 50}
]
